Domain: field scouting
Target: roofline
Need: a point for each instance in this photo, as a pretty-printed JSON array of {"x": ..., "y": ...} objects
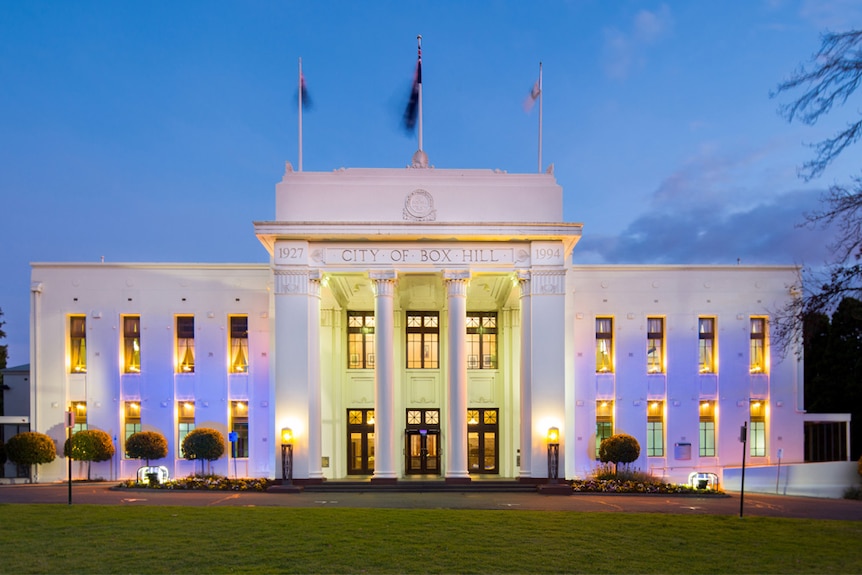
[
  {"x": 686, "y": 267},
  {"x": 153, "y": 265}
]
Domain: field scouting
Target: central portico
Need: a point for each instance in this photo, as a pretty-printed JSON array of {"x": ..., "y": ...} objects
[{"x": 420, "y": 322}]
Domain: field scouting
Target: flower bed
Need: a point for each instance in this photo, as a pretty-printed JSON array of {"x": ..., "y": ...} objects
[
  {"x": 204, "y": 483},
  {"x": 617, "y": 486}
]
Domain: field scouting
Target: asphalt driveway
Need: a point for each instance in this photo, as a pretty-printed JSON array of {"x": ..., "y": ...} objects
[{"x": 105, "y": 493}]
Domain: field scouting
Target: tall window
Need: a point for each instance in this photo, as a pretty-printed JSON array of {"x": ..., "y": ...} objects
[
  {"x": 78, "y": 344},
  {"x": 79, "y": 408},
  {"x": 758, "y": 345},
  {"x": 655, "y": 345},
  {"x": 239, "y": 425},
  {"x": 706, "y": 344},
  {"x": 238, "y": 343},
  {"x": 185, "y": 344},
  {"x": 604, "y": 345},
  {"x": 132, "y": 344},
  {"x": 707, "y": 429},
  {"x": 757, "y": 429},
  {"x": 423, "y": 337},
  {"x": 360, "y": 340},
  {"x": 604, "y": 422},
  {"x": 185, "y": 422},
  {"x": 132, "y": 419},
  {"x": 655, "y": 429},
  {"x": 482, "y": 340}
]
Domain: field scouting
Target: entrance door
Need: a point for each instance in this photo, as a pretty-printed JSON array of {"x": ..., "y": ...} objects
[
  {"x": 423, "y": 455},
  {"x": 423, "y": 442},
  {"x": 482, "y": 448},
  {"x": 360, "y": 441}
]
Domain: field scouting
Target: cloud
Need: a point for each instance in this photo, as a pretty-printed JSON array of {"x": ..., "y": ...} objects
[
  {"x": 766, "y": 233},
  {"x": 624, "y": 50},
  {"x": 718, "y": 209}
]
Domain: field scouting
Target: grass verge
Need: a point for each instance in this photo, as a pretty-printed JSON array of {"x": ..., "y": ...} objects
[{"x": 110, "y": 539}]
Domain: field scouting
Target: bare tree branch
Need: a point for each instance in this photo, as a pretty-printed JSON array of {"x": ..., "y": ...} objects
[{"x": 834, "y": 74}]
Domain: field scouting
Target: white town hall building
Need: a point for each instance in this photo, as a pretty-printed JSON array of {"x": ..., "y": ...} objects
[{"x": 419, "y": 322}]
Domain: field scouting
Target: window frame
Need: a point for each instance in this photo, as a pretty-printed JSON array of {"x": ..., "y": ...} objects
[
  {"x": 77, "y": 344},
  {"x": 131, "y": 417},
  {"x": 79, "y": 408},
  {"x": 757, "y": 428},
  {"x": 361, "y": 339},
  {"x": 485, "y": 343},
  {"x": 131, "y": 344},
  {"x": 185, "y": 423},
  {"x": 759, "y": 345},
  {"x": 428, "y": 340},
  {"x": 185, "y": 343},
  {"x": 604, "y": 421},
  {"x": 237, "y": 344},
  {"x": 655, "y": 352},
  {"x": 239, "y": 425},
  {"x": 706, "y": 429},
  {"x": 605, "y": 345},
  {"x": 655, "y": 429},
  {"x": 706, "y": 341}
]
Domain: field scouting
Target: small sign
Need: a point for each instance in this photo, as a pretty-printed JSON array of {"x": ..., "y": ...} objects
[
  {"x": 70, "y": 418},
  {"x": 231, "y": 436}
]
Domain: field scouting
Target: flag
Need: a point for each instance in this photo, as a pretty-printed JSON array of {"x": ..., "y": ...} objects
[
  {"x": 303, "y": 92},
  {"x": 530, "y": 100},
  {"x": 412, "y": 111}
]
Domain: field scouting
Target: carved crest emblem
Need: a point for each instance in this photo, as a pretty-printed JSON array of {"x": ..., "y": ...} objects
[{"x": 419, "y": 207}]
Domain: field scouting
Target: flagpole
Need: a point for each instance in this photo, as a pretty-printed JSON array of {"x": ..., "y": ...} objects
[
  {"x": 541, "y": 94},
  {"x": 419, "y": 48},
  {"x": 300, "y": 114}
]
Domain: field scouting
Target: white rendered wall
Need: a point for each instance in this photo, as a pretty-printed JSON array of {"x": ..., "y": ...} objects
[
  {"x": 157, "y": 293},
  {"x": 680, "y": 295},
  {"x": 378, "y": 195}
]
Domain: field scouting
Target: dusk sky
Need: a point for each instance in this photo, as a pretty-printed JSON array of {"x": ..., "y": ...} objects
[{"x": 156, "y": 131}]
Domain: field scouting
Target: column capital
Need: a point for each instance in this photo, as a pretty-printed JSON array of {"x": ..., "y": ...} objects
[
  {"x": 456, "y": 282},
  {"x": 383, "y": 282},
  {"x": 450, "y": 275}
]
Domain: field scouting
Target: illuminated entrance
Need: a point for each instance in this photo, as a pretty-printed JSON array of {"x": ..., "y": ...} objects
[
  {"x": 423, "y": 441},
  {"x": 482, "y": 451},
  {"x": 360, "y": 441}
]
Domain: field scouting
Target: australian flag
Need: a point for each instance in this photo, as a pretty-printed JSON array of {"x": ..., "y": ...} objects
[
  {"x": 412, "y": 111},
  {"x": 303, "y": 93}
]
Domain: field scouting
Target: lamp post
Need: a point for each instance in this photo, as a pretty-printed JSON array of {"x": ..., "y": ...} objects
[
  {"x": 553, "y": 454},
  {"x": 287, "y": 454}
]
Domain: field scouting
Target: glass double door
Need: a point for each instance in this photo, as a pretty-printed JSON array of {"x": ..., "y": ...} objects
[
  {"x": 423, "y": 442},
  {"x": 360, "y": 441}
]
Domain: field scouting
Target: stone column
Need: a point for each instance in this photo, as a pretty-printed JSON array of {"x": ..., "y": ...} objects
[
  {"x": 526, "y": 371},
  {"x": 385, "y": 446},
  {"x": 456, "y": 436},
  {"x": 297, "y": 368},
  {"x": 315, "y": 425}
]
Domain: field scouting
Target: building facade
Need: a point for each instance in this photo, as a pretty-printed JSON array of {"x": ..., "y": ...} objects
[{"x": 418, "y": 323}]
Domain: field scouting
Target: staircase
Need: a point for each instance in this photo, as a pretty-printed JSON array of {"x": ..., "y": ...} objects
[{"x": 412, "y": 486}]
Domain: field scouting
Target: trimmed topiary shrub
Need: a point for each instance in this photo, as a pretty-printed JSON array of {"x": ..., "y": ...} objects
[
  {"x": 30, "y": 448},
  {"x": 619, "y": 448},
  {"x": 147, "y": 445},
  {"x": 205, "y": 444},
  {"x": 89, "y": 445}
]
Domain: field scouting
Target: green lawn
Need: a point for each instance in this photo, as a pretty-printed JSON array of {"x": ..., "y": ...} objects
[{"x": 111, "y": 539}]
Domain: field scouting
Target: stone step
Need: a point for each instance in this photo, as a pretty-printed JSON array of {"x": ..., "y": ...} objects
[{"x": 410, "y": 486}]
